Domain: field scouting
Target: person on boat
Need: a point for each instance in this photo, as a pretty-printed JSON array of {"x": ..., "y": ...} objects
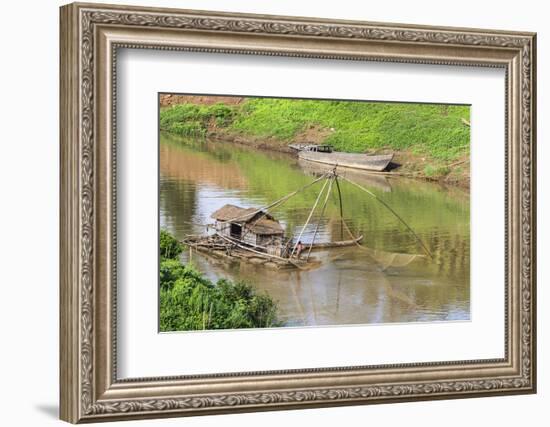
[{"x": 299, "y": 249}]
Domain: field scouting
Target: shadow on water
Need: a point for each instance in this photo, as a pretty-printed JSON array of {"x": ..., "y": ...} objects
[{"x": 381, "y": 282}]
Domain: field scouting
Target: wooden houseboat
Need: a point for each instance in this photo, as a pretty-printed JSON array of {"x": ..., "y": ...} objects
[
  {"x": 254, "y": 235},
  {"x": 251, "y": 227}
]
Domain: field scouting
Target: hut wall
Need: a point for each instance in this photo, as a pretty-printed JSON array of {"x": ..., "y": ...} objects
[
  {"x": 250, "y": 237},
  {"x": 273, "y": 243},
  {"x": 269, "y": 240},
  {"x": 223, "y": 228},
  {"x": 274, "y": 250}
]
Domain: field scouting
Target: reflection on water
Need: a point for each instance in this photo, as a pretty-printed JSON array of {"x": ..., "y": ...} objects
[{"x": 353, "y": 285}]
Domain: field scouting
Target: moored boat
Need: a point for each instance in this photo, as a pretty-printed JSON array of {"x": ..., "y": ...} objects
[
  {"x": 336, "y": 244},
  {"x": 368, "y": 178},
  {"x": 377, "y": 163}
]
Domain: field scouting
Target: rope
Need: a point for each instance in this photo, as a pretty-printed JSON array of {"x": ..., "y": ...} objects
[
  {"x": 272, "y": 206},
  {"x": 281, "y": 200},
  {"x": 393, "y": 212},
  {"x": 278, "y": 203}
]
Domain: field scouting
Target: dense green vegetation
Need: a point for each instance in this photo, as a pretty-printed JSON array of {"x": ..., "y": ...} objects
[
  {"x": 189, "y": 301},
  {"x": 423, "y": 129}
]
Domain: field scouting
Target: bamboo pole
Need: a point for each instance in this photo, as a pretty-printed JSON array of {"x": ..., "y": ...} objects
[
  {"x": 320, "y": 217},
  {"x": 345, "y": 224},
  {"x": 308, "y": 218},
  {"x": 336, "y": 244},
  {"x": 341, "y": 207}
]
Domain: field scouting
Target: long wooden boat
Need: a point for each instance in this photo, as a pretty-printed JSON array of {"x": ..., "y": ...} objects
[
  {"x": 349, "y": 160},
  {"x": 337, "y": 244}
]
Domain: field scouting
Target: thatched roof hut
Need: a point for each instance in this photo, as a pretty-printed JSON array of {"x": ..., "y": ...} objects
[
  {"x": 232, "y": 213},
  {"x": 249, "y": 224}
]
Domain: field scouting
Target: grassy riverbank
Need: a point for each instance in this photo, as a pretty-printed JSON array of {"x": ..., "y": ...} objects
[
  {"x": 189, "y": 301},
  {"x": 430, "y": 141}
]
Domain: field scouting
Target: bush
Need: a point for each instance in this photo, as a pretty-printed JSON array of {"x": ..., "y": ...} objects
[
  {"x": 222, "y": 113},
  {"x": 169, "y": 246},
  {"x": 189, "y": 301},
  {"x": 188, "y": 129}
]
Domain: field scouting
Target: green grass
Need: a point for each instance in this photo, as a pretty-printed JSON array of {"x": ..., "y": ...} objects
[
  {"x": 189, "y": 301},
  {"x": 424, "y": 129},
  {"x": 360, "y": 126},
  {"x": 194, "y": 120},
  {"x": 436, "y": 171}
]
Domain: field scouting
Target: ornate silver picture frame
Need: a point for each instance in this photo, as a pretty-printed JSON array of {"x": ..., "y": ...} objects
[{"x": 91, "y": 34}]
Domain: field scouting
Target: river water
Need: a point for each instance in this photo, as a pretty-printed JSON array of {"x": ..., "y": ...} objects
[{"x": 388, "y": 279}]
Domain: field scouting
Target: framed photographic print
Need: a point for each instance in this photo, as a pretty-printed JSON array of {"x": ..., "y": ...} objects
[{"x": 266, "y": 212}]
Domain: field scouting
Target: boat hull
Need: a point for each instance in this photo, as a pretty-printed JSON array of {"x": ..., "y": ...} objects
[
  {"x": 337, "y": 244},
  {"x": 349, "y": 160}
]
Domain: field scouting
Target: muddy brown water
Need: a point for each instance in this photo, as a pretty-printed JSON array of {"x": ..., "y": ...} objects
[{"x": 388, "y": 279}]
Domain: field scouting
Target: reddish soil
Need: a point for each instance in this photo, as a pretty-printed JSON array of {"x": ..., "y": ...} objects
[{"x": 168, "y": 99}]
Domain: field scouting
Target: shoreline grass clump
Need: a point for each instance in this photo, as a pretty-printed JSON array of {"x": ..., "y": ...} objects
[
  {"x": 189, "y": 301},
  {"x": 195, "y": 120}
]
